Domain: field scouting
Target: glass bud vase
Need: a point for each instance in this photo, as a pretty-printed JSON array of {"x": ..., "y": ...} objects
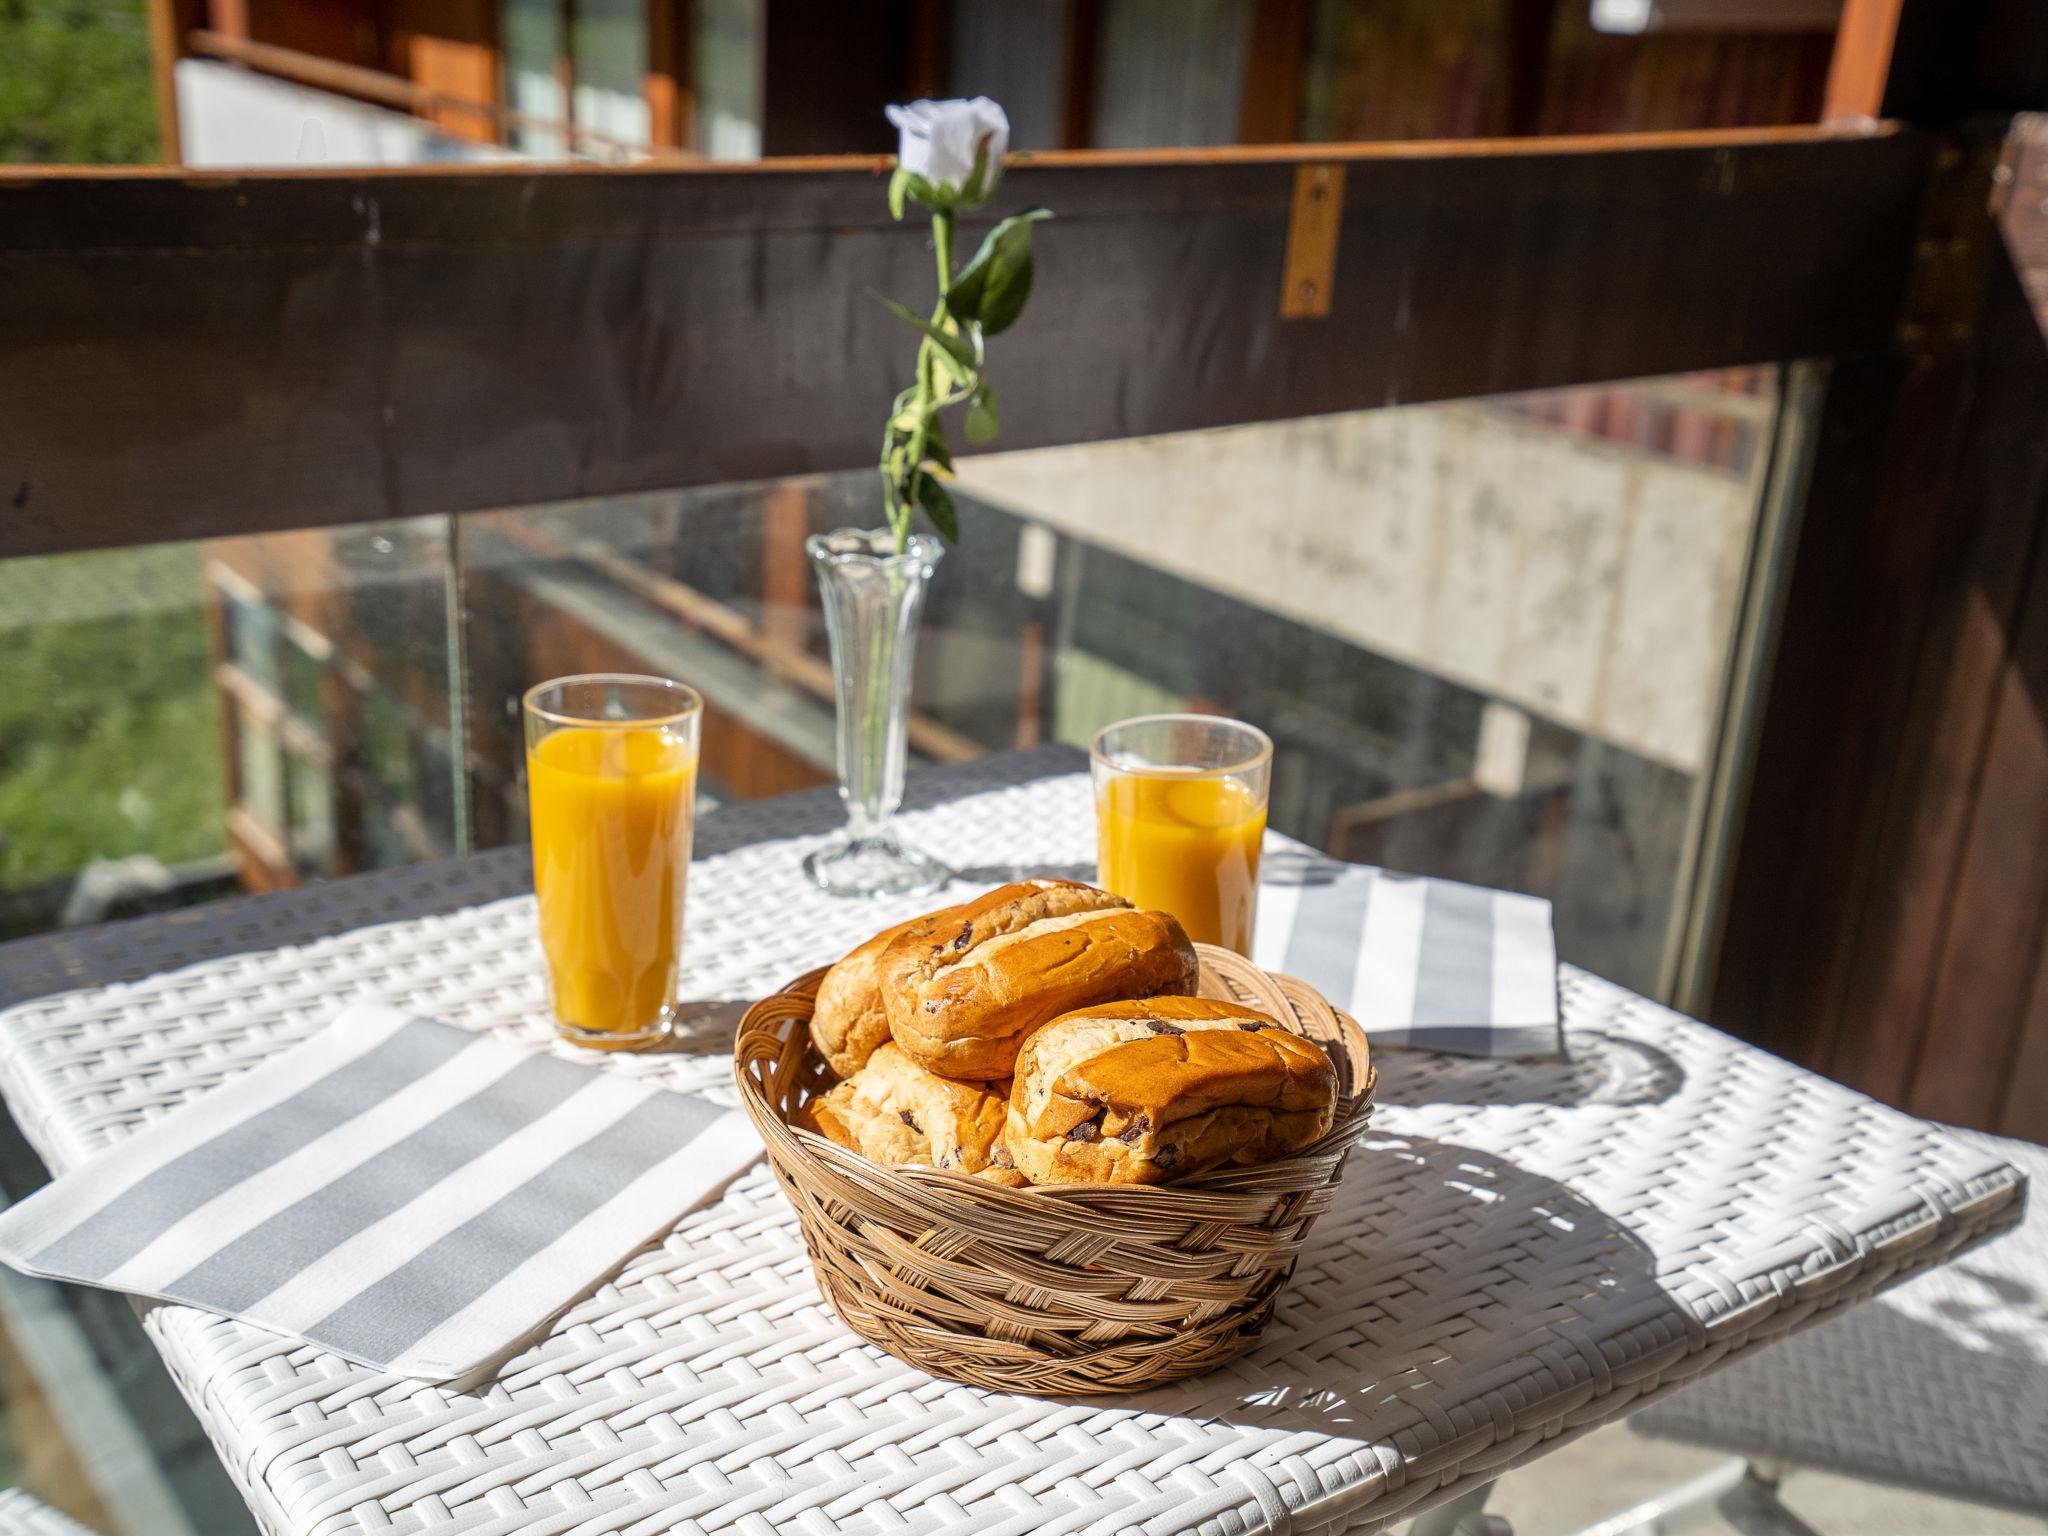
[{"x": 872, "y": 599}]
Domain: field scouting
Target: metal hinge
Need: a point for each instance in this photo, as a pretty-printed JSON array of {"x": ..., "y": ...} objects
[{"x": 1312, "y": 229}]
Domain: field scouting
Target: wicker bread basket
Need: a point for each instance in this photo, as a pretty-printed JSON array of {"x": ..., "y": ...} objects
[{"x": 1073, "y": 1289}]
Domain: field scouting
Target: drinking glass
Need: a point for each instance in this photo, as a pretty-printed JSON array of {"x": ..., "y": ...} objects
[
  {"x": 1180, "y": 812},
  {"x": 611, "y": 781}
]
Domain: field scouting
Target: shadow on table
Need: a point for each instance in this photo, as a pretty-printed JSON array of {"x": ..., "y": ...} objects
[
  {"x": 1600, "y": 1069},
  {"x": 1003, "y": 874},
  {"x": 1443, "y": 1276},
  {"x": 1299, "y": 866},
  {"x": 1947, "y": 1392},
  {"x": 703, "y": 1028}
]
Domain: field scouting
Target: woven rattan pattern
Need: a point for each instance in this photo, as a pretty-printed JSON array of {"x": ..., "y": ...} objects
[
  {"x": 1517, "y": 1253},
  {"x": 1087, "y": 1289},
  {"x": 22, "y": 1515},
  {"x": 1941, "y": 1384}
]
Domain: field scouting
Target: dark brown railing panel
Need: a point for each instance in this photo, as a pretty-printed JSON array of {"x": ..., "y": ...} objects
[{"x": 190, "y": 354}]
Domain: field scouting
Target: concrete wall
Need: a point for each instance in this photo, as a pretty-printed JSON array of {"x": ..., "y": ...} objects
[{"x": 1588, "y": 583}]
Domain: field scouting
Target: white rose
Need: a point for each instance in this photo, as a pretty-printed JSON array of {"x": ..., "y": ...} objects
[{"x": 939, "y": 140}]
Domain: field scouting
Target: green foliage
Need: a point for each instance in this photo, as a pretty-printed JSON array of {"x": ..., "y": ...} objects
[
  {"x": 109, "y": 728},
  {"x": 75, "y": 84},
  {"x": 991, "y": 289},
  {"x": 953, "y": 347},
  {"x": 983, "y": 422},
  {"x": 983, "y": 299},
  {"x": 938, "y": 506}
]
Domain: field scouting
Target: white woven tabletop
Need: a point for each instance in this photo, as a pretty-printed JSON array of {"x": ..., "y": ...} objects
[
  {"x": 1520, "y": 1253},
  {"x": 1940, "y": 1384}
]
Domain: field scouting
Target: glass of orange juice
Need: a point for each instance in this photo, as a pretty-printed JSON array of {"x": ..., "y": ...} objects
[
  {"x": 611, "y": 783},
  {"x": 1180, "y": 813}
]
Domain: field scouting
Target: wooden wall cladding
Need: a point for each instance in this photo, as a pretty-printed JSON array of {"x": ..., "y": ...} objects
[
  {"x": 198, "y": 354},
  {"x": 1890, "y": 900}
]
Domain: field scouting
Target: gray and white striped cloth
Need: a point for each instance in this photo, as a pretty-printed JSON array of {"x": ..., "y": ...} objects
[
  {"x": 1418, "y": 962},
  {"x": 409, "y": 1195}
]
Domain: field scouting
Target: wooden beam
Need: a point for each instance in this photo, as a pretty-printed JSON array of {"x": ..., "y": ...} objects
[{"x": 290, "y": 350}]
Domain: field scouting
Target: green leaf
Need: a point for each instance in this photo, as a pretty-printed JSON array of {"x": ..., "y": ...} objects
[
  {"x": 992, "y": 288},
  {"x": 983, "y": 422},
  {"x": 949, "y": 345},
  {"x": 935, "y": 447},
  {"x": 938, "y": 506},
  {"x": 899, "y": 185}
]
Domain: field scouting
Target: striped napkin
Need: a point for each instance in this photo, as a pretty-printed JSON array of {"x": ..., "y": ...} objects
[
  {"x": 409, "y": 1195},
  {"x": 1418, "y": 962}
]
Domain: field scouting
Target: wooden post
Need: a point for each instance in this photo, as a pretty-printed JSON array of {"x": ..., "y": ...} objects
[
  {"x": 670, "y": 84},
  {"x": 450, "y": 49},
  {"x": 785, "y": 569},
  {"x": 1862, "y": 60},
  {"x": 1077, "y": 89},
  {"x": 565, "y": 68},
  {"x": 925, "y": 48},
  {"x": 1531, "y": 25},
  {"x": 1269, "y": 110},
  {"x": 169, "y": 21}
]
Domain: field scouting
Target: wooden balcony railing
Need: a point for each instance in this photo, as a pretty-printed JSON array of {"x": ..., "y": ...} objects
[{"x": 301, "y": 349}]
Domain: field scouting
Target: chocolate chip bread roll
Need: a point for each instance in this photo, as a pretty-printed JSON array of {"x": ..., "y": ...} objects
[
  {"x": 848, "y": 1020},
  {"x": 1145, "y": 1092},
  {"x": 964, "y": 987},
  {"x": 893, "y": 1111}
]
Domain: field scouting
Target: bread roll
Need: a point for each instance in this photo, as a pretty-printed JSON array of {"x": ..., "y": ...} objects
[
  {"x": 848, "y": 1020},
  {"x": 1144, "y": 1092},
  {"x": 893, "y": 1111},
  {"x": 964, "y": 987}
]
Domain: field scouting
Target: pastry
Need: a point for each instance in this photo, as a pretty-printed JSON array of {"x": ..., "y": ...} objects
[
  {"x": 894, "y": 1111},
  {"x": 1144, "y": 1092},
  {"x": 965, "y": 986},
  {"x": 848, "y": 1020}
]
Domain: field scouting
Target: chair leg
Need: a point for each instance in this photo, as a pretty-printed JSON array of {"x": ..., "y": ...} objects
[
  {"x": 1752, "y": 1506},
  {"x": 1678, "y": 1508},
  {"x": 1462, "y": 1516},
  {"x": 1742, "y": 1493}
]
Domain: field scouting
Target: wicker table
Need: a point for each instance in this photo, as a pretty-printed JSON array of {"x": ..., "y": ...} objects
[
  {"x": 1521, "y": 1252},
  {"x": 1940, "y": 1385}
]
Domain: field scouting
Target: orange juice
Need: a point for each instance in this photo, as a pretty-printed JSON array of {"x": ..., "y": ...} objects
[
  {"x": 612, "y": 816},
  {"x": 1185, "y": 845}
]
